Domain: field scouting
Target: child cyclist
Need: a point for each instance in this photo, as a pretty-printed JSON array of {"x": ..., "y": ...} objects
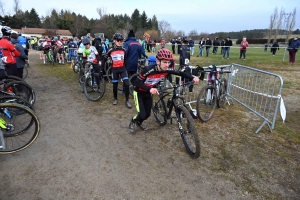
[
  {"x": 117, "y": 54},
  {"x": 145, "y": 82}
]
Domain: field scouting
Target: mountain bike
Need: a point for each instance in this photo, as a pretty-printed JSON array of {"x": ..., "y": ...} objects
[
  {"x": 49, "y": 57},
  {"x": 19, "y": 127},
  {"x": 163, "y": 111},
  {"x": 213, "y": 94},
  {"x": 94, "y": 85},
  {"x": 77, "y": 63}
]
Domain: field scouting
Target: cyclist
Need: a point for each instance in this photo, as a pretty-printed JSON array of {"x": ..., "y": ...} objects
[
  {"x": 144, "y": 86},
  {"x": 117, "y": 54},
  {"x": 46, "y": 47},
  {"x": 91, "y": 55},
  {"x": 60, "y": 51},
  {"x": 8, "y": 52}
]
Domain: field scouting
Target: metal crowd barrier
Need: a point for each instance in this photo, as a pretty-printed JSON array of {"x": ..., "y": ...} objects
[
  {"x": 70, "y": 54},
  {"x": 257, "y": 90}
]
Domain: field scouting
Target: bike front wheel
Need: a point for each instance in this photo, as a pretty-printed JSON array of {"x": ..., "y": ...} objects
[
  {"x": 94, "y": 87},
  {"x": 19, "y": 127},
  {"x": 188, "y": 131},
  {"x": 206, "y": 103}
]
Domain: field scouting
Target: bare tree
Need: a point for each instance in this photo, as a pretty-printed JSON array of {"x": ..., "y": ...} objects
[
  {"x": 193, "y": 33},
  {"x": 273, "y": 19},
  {"x": 290, "y": 25},
  {"x": 163, "y": 26},
  {"x": 278, "y": 24},
  {"x": 16, "y": 7},
  {"x": 101, "y": 12},
  {"x": 2, "y": 8}
]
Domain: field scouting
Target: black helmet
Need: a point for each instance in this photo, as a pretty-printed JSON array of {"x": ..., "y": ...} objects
[
  {"x": 6, "y": 31},
  {"x": 118, "y": 36},
  {"x": 85, "y": 41},
  {"x": 184, "y": 39}
]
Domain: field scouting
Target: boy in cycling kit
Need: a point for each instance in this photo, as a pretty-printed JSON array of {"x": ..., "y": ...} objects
[
  {"x": 117, "y": 54},
  {"x": 46, "y": 47},
  {"x": 144, "y": 86}
]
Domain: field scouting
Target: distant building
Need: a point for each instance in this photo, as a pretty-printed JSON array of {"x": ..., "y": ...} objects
[{"x": 42, "y": 32}]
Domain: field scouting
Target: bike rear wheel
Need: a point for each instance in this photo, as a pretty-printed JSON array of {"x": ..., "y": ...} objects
[
  {"x": 19, "y": 128},
  {"x": 188, "y": 131},
  {"x": 25, "y": 71},
  {"x": 159, "y": 112},
  {"x": 21, "y": 89},
  {"x": 94, "y": 88},
  {"x": 206, "y": 103},
  {"x": 222, "y": 96}
]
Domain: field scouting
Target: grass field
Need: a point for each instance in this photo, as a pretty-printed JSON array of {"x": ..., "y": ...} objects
[{"x": 265, "y": 165}]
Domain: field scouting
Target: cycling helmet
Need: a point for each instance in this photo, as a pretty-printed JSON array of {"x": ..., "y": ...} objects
[
  {"x": 164, "y": 54},
  {"x": 85, "y": 41},
  {"x": 118, "y": 36},
  {"x": 151, "y": 60},
  {"x": 6, "y": 31}
]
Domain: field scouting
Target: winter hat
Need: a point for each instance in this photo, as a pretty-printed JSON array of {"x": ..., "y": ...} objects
[{"x": 131, "y": 34}]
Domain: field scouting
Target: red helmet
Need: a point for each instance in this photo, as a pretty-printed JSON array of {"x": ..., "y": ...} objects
[{"x": 164, "y": 54}]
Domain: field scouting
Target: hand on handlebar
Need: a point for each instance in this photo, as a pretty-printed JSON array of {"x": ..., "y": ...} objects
[
  {"x": 196, "y": 80},
  {"x": 154, "y": 91}
]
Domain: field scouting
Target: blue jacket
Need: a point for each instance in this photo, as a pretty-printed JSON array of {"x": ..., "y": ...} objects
[
  {"x": 294, "y": 45},
  {"x": 20, "y": 59},
  {"x": 133, "y": 53}
]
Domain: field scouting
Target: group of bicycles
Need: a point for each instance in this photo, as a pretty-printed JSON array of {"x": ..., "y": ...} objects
[{"x": 19, "y": 124}]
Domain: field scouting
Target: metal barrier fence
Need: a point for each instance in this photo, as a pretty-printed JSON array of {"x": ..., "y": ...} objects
[
  {"x": 70, "y": 54},
  {"x": 257, "y": 90}
]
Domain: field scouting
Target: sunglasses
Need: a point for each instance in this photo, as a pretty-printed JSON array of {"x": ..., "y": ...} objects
[{"x": 119, "y": 40}]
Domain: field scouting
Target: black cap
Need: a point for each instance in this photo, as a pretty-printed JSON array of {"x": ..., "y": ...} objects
[{"x": 131, "y": 34}]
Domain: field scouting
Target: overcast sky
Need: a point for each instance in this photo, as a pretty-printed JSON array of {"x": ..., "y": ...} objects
[{"x": 207, "y": 16}]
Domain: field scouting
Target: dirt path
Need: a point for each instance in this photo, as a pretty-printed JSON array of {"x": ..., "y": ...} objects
[{"x": 85, "y": 151}]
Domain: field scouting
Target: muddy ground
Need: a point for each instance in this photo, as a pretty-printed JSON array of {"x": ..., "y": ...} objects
[{"x": 85, "y": 151}]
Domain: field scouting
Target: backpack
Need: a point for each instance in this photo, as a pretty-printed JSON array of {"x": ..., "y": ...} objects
[{"x": 23, "y": 41}]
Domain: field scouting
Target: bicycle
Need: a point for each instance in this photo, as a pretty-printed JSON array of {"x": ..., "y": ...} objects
[
  {"x": 141, "y": 65},
  {"x": 19, "y": 127},
  {"x": 25, "y": 70},
  {"x": 94, "y": 85},
  {"x": 186, "y": 125},
  {"x": 49, "y": 57},
  {"x": 213, "y": 94}
]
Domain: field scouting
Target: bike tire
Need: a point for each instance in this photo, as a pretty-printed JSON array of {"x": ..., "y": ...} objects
[
  {"x": 109, "y": 74},
  {"x": 131, "y": 79},
  {"x": 159, "y": 111},
  {"x": 26, "y": 128},
  {"x": 222, "y": 96},
  {"x": 76, "y": 67},
  {"x": 25, "y": 72},
  {"x": 94, "y": 92},
  {"x": 21, "y": 89},
  {"x": 206, "y": 103},
  {"x": 188, "y": 131},
  {"x": 16, "y": 99}
]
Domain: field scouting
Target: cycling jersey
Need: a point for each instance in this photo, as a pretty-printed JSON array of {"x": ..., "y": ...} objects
[
  {"x": 117, "y": 56},
  {"x": 8, "y": 51},
  {"x": 150, "y": 76},
  {"x": 91, "y": 54}
]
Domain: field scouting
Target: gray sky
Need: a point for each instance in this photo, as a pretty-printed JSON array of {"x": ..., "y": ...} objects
[{"x": 203, "y": 16}]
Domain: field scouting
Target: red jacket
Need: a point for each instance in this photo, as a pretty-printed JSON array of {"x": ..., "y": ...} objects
[
  {"x": 8, "y": 51},
  {"x": 244, "y": 45}
]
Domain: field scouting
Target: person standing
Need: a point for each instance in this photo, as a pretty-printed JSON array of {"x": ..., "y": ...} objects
[
  {"x": 162, "y": 43},
  {"x": 178, "y": 45},
  {"x": 192, "y": 46},
  {"x": 23, "y": 58},
  {"x": 201, "y": 47},
  {"x": 243, "y": 48},
  {"x": 216, "y": 45},
  {"x": 222, "y": 46},
  {"x": 8, "y": 52},
  {"x": 226, "y": 50},
  {"x": 293, "y": 48},
  {"x": 207, "y": 45},
  {"x": 118, "y": 55},
  {"x": 274, "y": 48},
  {"x": 173, "y": 42}
]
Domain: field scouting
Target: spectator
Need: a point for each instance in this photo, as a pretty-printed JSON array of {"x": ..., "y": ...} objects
[
  {"x": 184, "y": 53},
  {"x": 96, "y": 42},
  {"x": 266, "y": 47},
  {"x": 222, "y": 46},
  {"x": 207, "y": 45},
  {"x": 107, "y": 43},
  {"x": 226, "y": 50},
  {"x": 23, "y": 58},
  {"x": 201, "y": 46},
  {"x": 153, "y": 46},
  {"x": 274, "y": 48},
  {"x": 173, "y": 42},
  {"x": 192, "y": 46},
  {"x": 243, "y": 48},
  {"x": 178, "y": 45},
  {"x": 293, "y": 48},
  {"x": 216, "y": 45},
  {"x": 162, "y": 43}
]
